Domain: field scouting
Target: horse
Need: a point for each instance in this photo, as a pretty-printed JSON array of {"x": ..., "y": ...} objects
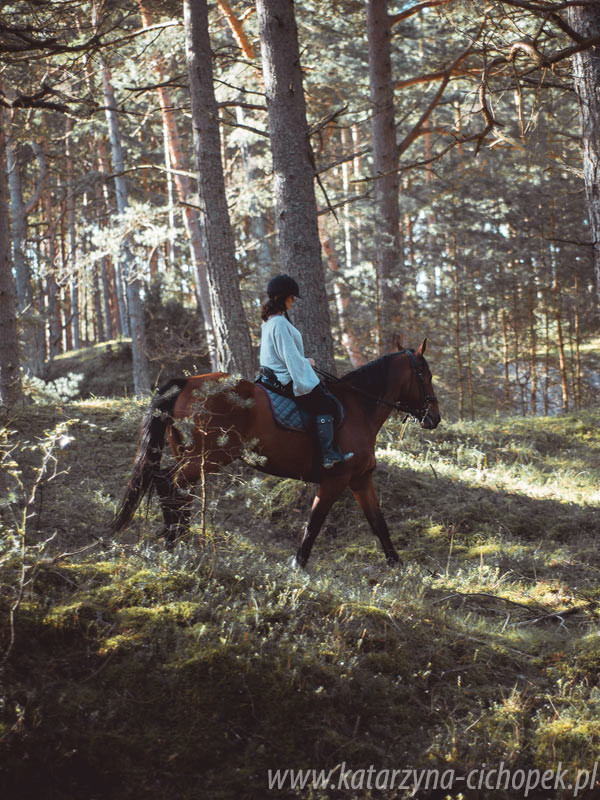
[{"x": 212, "y": 420}]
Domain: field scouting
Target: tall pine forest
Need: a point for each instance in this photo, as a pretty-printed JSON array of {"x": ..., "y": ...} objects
[
  {"x": 425, "y": 170},
  {"x": 473, "y": 229}
]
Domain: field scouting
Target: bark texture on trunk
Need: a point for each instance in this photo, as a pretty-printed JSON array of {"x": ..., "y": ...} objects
[
  {"x": 183, "y": 188},
  {"x": 585, "y": 20},
  {"x": 31, "y": 321},
  {"x": 10, "y": 371},
  {"x": 388, "y": 259},
  {"x": 19, "y": 224},
  {"x": 141, "y": 380},
  {"x": 293, "y": 173},
  {"x": 233, "y": 347},
  {"x": 121, "y": 301},
  {"x": 53, "y": 310},
  {"x": 75, "y": 322},
  {"x": 103, "y": 283}
]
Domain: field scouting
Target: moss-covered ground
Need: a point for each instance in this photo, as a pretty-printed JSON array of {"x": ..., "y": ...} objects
[{"x": 130, "y": 672}]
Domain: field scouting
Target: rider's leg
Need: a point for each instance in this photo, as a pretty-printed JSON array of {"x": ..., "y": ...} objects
[{"x": 324, "y": 407}]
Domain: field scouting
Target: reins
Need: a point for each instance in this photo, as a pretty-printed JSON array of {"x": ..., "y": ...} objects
[{"x": 399, "y": 406}]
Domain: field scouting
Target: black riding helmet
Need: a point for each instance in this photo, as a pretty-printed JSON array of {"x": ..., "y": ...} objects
[{"x": 282, "y": 286}]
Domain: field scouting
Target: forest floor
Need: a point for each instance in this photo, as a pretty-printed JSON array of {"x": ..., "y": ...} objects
[{"x": 130, "y": 672}]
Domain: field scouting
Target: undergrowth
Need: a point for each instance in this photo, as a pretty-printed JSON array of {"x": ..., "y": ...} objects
[{"x": 128, "y": 671}]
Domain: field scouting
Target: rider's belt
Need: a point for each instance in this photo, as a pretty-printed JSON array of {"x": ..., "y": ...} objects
[{"x": 268, "y": 378}]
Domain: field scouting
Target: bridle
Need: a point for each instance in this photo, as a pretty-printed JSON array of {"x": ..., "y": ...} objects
[{"x": 419, "y": 414}]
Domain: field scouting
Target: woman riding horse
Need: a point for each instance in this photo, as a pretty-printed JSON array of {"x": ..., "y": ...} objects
[
  {"x": 224, "y": 417},
  {"x": 282, "y": 352}
]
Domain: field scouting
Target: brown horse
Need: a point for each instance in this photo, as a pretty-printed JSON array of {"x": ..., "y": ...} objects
[{"x": 211, "y": 420}]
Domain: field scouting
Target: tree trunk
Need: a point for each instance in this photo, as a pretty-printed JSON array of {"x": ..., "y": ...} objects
[
  {"x": 457, "y": 326},
  {"x": 99, "y": 329},
  {"x": 346, "y": 142},
  {"x": 184, "y": 195},
  {"x": 585, "y": 20},
  {"x": 10, "y": 370},
  {"x": 357, "y": 174},
  {"x": 19, "y": 224},
  {"x": 547, "y": 355},
  {"x": 293, "y": 172},
  {"x": 342, "y": 300},
  {"x": 388, "y": 257},
  {"x": 257, "y": 223},
  {"x": 141, "y": 381},
  {"x": 556, "y": 304},
  {"x": 31, "y": 322},
  {"x": 232, "y": 336},
  {"x": 103, "y": 307},
  {"x": 533, "y": 357},
  {"x": 121, "y": 301},
  {"x": 237, "y": 29},
  {"x": 560, "y": 343},
  {"x": 113, "y": 300},
  {"x": 516, "y": 305},
  {"x": 65, "y": 300},
  {"x": 75, "y": 320},
  {"x": 53, "y": 311},
  {"x": 578, "y": 367},
  {"x": 469, "y": 362}
]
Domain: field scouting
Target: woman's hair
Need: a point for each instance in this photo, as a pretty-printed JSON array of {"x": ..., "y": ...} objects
[{"x": 274, "y": 305}]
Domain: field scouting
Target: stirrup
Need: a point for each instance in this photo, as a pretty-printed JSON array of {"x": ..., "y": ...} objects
[
  {"x": 330, "y": 454},
  {"x": 342, "y": 458}
]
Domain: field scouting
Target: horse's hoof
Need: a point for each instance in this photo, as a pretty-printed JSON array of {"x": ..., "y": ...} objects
[
  {"x": 393, "y": 560},
  {"x": 171, "y": 534},
  {"x": 298, "y": 561}
]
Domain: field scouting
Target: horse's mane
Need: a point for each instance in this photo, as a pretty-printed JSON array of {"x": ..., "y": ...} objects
[{"x": 370, "y": 380}]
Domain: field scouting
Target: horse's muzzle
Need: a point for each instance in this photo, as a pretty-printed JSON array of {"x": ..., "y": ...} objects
[{"x": 431, "y": 420}]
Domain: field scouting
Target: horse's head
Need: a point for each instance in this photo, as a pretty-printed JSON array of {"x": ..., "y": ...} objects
[{"x": 418, "y": 393}]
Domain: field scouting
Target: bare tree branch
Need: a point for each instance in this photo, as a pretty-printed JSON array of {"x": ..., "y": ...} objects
[
  {"x": 343, "y": 160},
  {"x": 353, "y": 198},
  {"x": 414, "y": 133},
  {"x": 409, "y": 12},
  {"x": 431, "y": 77}
]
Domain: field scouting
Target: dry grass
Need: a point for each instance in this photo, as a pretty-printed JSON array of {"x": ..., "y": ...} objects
[{"x": 135, "y": 672}]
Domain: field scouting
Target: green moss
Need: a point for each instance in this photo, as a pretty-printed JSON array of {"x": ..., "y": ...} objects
[{"x": 136, "y": 672}]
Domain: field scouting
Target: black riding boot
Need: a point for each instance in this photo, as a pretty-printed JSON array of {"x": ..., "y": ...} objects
[{"x": 331, "y": 454}]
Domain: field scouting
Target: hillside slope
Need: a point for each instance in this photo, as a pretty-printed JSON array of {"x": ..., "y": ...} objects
[{"x": 129, "y": 671}]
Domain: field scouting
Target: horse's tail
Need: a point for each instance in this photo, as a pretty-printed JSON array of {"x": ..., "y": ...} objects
[{"x": 147, "y": 460}]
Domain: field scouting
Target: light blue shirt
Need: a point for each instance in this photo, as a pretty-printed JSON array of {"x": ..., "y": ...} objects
[{"x": 282, "y": 350}]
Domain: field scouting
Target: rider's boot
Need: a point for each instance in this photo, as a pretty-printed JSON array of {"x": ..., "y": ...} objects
[{"x": 331, "y": 454}]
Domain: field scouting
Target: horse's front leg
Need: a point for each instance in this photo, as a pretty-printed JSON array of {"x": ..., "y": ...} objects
[
  {"x": 327, "y": 493},
  {"x": 364, "y": 492}
]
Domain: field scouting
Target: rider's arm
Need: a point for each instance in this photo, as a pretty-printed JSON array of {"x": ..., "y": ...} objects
[{"x": 288, "y": 342}]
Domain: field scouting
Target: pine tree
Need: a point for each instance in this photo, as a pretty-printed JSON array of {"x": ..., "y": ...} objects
[
  {"x": 10, "y": 371},
  {"x": 293, "y": 175},
  {"x": 232, "y": 336}
]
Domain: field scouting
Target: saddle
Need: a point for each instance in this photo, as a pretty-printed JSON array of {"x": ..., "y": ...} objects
[{"x": 286, "y": 411}]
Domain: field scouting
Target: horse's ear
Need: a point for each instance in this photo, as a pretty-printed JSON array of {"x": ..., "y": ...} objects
[
  {"x": 421, "y": 350},
  {"x": 399, "y": 345}
]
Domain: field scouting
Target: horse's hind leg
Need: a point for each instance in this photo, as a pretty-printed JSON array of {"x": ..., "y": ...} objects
[
  {"x": 327, "y": 494},
  {"x": 364, "y": 492},
  {"x": 175, "y": 504}
]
